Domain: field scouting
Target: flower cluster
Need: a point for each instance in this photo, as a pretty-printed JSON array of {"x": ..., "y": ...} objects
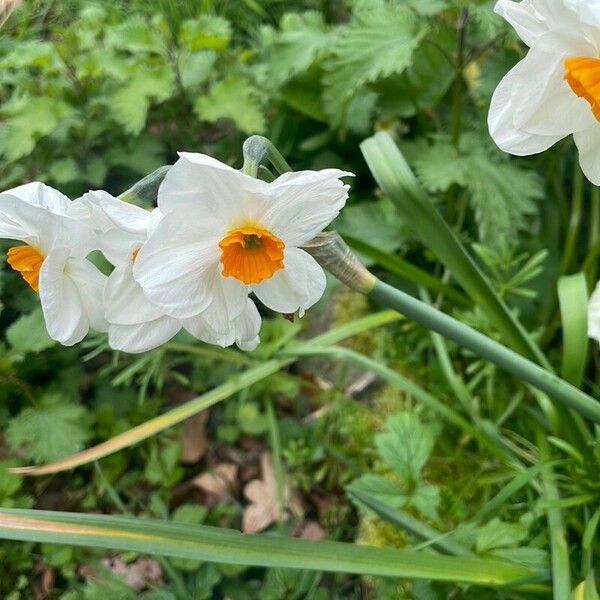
[
  {"x": 555, "y": 90},
  {"x": 216, "y": 236}
]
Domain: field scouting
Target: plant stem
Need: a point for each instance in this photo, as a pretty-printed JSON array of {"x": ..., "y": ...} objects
[
  {"x": 457, "y": 96},
  {"x": 594, "y": 237},
  {"x": 561, "y": 570},
  {"x": 277, "y": 462},
  {"x": 487, "y": 348},
  {"x": 574, "y": 219}
]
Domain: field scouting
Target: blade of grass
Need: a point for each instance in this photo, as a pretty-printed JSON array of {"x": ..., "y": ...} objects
[
  {"x": 561, "y": 569},
  {"x": 179, "y": 414},
  {"x": 573, "y": 299},
  {"x": 395, "y": 178},
  {"x": 215, "y": 544},
  {"x": 490, "y": 508}
]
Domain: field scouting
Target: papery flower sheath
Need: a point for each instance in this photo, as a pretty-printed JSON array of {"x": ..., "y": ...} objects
[
  {"x": 226, "y": 234},
  {"x": 51, "y": 258},
  {"x": 555, "y": 90},
  {"x": 135, "y": 324}
]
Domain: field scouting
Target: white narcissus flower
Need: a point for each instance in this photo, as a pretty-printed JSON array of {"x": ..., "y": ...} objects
[
  {"x": 594, "y": 314},
  {"x": 135, "y": 324},
  {"x": 226, "y": 234},
  {"x": 555, "y": 90},
  {"x": 52, "y": 259}
]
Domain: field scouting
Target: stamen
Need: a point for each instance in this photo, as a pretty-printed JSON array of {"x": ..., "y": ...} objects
[
  {"x": 251, "y": 254},
  {"x": 26, "y": 260}
]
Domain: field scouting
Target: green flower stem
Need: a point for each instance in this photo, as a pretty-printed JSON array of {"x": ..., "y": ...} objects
[
  {"x": 561, "y": 569},
  {"x": 482, "y": 346},
  {"x": 575, "y": 219}
]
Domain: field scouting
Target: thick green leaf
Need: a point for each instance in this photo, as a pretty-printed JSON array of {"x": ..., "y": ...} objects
[
  {"x": 216, "y": 544},
  {"x": 573, "y": 297}
]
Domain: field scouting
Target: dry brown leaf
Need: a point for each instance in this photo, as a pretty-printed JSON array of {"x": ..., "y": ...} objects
[
  {"x": 262, "y": 493},
  {"x": 138, "y": 575},
  {"x": 310, "y": 530},
  {"x": 195, "y": 441},
  {"x": 219, "y": 481}
]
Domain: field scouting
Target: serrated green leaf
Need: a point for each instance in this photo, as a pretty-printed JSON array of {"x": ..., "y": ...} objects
[
  {"x": 232, "y": 98},
  {"x": 426, "y": 499},
  {"x": 440, "y": 166},
  {"x": 300, "y": 40},
  {"x": 377, "y": 43},
  {"x": 29, "y": 334},
  {"x": 379, "y": 488},
  {"x": 502, "y": 196},
  {"x": 129, "y": 104},
  {"x": 64, "y": 170},
  {"x": 207, "y": 32},
  {"x": 195, "y": 68},
  {"x": 405, "y": 446},
  {"x": 29, "y": 119},
  {"x": 52, "y": 429},
  {"x": 498, "y": 534},
  {"x": 134, "y": 34}
]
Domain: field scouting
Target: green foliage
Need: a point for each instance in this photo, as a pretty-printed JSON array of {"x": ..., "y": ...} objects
[
  {"x": 28, "y": 333},
  {"x": 99, "y": 94},
  {"x": 378, "y": 42},
  {"x": 52, "y": 429},
  {"x": 405, "y": 447},
  {"x": 502, "y": 195}
]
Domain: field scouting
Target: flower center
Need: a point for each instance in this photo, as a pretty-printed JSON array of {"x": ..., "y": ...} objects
[
  {"x": 582, "y": 73},
  {"x": 251, "y": 254},
  {"x": 27, "y": 260}
]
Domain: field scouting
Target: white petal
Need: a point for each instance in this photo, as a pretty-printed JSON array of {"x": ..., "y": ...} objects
[
  {"x": 175, "y": 266},
  {"x": 124, "y": 215},
  {"x": 542, "y": 101},
  {"x": 212, "y": 190},
  {"x": 304, "y": 203},
  {"x": 533, "y": 18},
  {"x": 243, "y": 330},
  {"x": 297, "y": 286},
  {"x": 63, "y": 311},
  {"x": 43, "y": 195},
  {"x": 594, "y": 314},
  {"x": 124, "y": 300},
  {"x": 90, "y": 284},
  {"x": 228, "y": 301},
  {"x": 500, "y": 122},
  {"x": 143, "y": 336},
  {"x": 201, "y": 329},
  {"x": 588, "y": 144},
  {"x": 22, "y": 221},
  {"x": 25, "y": 218},
  {"x": 118, "y": 246},
  {"x": 247, "y": 328},
  {"x": 587, "y": 10},
  {"x": 522, "y": 16}
]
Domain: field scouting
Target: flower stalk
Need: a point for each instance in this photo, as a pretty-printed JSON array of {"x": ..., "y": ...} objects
[{"x": 332, "y": 253}]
